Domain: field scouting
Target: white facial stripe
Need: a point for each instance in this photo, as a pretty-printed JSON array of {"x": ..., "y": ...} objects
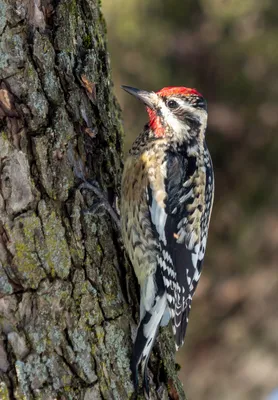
[
  {"x": 183, "y": 104},
  {"x": 180, "y": 128},
  {"x": 176, "y": 124}
]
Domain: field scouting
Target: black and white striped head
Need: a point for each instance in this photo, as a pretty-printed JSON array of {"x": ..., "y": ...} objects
[{"x": 179, "y": 113}]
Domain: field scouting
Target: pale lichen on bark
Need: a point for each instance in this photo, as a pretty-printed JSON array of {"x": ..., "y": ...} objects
[{"x": 66, "y": 313}]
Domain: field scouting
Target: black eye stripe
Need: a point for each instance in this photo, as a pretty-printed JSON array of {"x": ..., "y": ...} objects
[
  {"x": 198, "y": 102},
  {"x": 194, "y": 101}
]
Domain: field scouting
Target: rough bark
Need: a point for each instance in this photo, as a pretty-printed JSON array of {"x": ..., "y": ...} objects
[{"x": 68, "y": 301}]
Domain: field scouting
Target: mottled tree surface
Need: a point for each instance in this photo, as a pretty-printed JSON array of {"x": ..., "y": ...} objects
[{"x": 68, "y": 301}]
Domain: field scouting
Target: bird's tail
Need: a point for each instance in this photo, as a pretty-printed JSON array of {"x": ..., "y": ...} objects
[
  {"x": 179, "y": 323},
  {"x": 145, "y": 337}
]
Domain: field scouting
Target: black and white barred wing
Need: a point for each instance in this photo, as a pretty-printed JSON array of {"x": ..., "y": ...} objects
[{"x": 182, "y": 242}]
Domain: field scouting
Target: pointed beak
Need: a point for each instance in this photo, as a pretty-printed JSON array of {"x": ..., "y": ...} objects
[{"x": 148, "y": 98}]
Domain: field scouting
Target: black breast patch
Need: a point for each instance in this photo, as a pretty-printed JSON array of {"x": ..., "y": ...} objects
[{"x": 179, "y": 169}]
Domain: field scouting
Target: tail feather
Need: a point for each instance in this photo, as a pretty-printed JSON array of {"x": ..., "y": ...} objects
[
  {"x": 146, "y": 334},
  {"x": 179, "y": 324},
  {"x": 179, "y": 328}
]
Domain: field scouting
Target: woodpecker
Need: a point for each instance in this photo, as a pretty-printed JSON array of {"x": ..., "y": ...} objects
[{"x": 167, "y": 196}]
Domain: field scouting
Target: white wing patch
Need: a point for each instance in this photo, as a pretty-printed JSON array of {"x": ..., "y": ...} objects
[
  {"x": 158, "y": 216},
  {"x": 157, "y": 313},
  {"x": 166, "y": 317},
  {"x": 147, "y": 295},
  {"x": 203, "y": 247}
]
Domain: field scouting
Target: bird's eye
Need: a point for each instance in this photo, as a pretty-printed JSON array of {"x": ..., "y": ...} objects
[{"x": 172, "y": 104}]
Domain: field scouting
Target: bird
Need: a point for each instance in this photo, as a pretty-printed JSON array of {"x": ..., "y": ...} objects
[{"x": 167, "y": 194}]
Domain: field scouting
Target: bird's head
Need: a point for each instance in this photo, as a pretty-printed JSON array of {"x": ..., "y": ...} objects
[{"x": 179, "y": 113}]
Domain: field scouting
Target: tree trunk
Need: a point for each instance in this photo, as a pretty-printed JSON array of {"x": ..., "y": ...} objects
[{"x": 69, "y": 303}]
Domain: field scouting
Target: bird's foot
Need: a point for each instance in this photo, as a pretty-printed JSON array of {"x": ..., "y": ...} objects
[{"x": 103, "y": 202}]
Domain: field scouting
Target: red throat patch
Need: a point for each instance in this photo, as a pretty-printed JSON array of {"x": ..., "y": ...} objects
[{"x": 155, "y": 123}]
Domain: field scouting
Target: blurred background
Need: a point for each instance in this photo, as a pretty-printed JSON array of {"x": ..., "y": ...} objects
[{"x": 228, "y": 50}]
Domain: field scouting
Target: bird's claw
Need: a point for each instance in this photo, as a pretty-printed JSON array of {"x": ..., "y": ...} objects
[{"x": 94, "y": 187}]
